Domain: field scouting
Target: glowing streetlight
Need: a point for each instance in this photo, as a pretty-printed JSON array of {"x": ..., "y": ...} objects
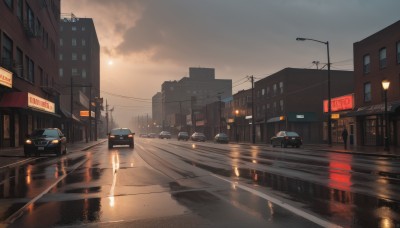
[{"x": 385, "y": 86}]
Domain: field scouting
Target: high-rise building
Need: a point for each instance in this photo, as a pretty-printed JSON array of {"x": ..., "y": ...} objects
[
  {"x": 79, "y": 75},
  {"x": 29, "y": 88}
]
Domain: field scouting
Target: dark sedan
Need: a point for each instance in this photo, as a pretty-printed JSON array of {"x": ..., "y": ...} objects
[
  {"x": 47, "y": 140},
  {"x": 183, "y": 136},
  {"x": 221, "y": 138},
  {"x": 199, "y": 137},
  {"x": 286, "y": 138},
  {"x": 121, "y": 136}
]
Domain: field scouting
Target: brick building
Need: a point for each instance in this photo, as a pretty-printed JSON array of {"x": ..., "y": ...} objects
[
  {"x": 377, "y": 58},
  {"x": 29, "y": 91}
]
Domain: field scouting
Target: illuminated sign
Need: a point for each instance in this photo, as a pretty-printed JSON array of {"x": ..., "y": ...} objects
[
  {"x": 40, "y": 103},
  {"x": 85, "y": 113},
  {"x": 335, "y": 116},
  {"x": 300, "y": 116},
  {"x": 5, "y": 77},
  {"x": 340, "y": 103}
]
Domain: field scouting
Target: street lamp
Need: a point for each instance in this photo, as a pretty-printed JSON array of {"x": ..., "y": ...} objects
[
  {"x": 237, "y": 125},
  {"x": 385, "y": 86},
  {"x": 329, "y": 87}
]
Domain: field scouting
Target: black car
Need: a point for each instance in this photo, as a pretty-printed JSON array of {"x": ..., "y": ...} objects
[
  {"x": 183, "y": 136},
  {"x": 164, "y": 135},
  {"x": 285, "y": 138},
  {"x": 199, "y": 137},
  {"x": 221, "y": 138},
  {"x": 46, "y": 140},
  {"x": 121, "y": 136}
]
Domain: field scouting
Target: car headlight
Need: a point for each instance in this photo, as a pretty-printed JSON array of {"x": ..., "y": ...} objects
[
  {"x": 55, "y": 141},
  {"x": 112, "y": 136},
  {"x": 28, "y": 141}
]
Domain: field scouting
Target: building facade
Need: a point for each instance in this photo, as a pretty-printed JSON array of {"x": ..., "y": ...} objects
[
  {"x": 292, "y": 99},
  {"x": 156, "y": 104},
  {"x": 79, "y": 75},
  {"x": 377, "y": 58},
  {"x": 29, "y": 88}
]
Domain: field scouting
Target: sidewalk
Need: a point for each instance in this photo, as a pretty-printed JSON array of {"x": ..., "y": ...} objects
[
  {"x": 359, "y": 150},
  {"x": 16, "y": 154}
]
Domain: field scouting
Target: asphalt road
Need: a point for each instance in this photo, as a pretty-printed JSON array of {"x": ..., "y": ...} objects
[{"x": 166, "y": 183}]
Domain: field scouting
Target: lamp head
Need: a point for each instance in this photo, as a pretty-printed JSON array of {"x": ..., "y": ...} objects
[
  {"x": 300, "y": 39},
  {"x": 385, "y": 84}
]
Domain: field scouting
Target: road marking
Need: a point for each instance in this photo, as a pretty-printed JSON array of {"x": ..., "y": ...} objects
[
  {"x": 282, "y": 204},
  {"x": 19, "y": 213}
]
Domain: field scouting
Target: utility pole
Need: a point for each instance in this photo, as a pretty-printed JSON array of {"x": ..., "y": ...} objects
[
  {"x": 253, "y": 126},
  {"x": 220, "y": 114},
  {"x": 72, "y": 111},
  {"x": 106, "y": 117}
]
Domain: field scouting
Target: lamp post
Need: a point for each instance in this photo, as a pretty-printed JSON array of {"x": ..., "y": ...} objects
[
  {"x": 329, "y": 87},
  {"x": 236, "y": 127},
  {"x": 385, "y": 86}
]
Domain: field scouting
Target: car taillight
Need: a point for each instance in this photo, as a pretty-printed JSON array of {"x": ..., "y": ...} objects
[
  {"x": 28, "y": 141},
  {"x": 286, "y": 137},
  {"x": 130, "y": 136},
  {"x": 112, "y": 136}
]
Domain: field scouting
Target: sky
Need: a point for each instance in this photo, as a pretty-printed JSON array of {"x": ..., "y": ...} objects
[{"x": 146, "y": 42}]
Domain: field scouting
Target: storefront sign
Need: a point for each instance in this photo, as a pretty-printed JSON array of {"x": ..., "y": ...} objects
[
  {"x": 340, "y": 103},
  {"x": 299, "y": 116},
  {"x": 85, "y": 113},
  {"x": 40, "y": 103},
  {"x": 5, "y": 77}
]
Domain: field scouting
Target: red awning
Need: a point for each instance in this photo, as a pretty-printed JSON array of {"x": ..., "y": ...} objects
[{"x": 14, "y": 100}]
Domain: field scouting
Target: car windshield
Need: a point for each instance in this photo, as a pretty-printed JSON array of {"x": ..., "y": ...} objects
[
  {"x": 121, "y": 131},
  {"x": 222, "y": 135},
  {"x": 291, "y": 133},
  {"x": 183, "y": 133},
  {"x": 45, "y": 133}
]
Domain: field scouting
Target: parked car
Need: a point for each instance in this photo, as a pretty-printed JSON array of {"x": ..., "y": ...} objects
[
  {"x": 199, "y": 137},
  {"x": 221, "y": 138},
  {"x": 152, "y": 135},
  {"x": 164, "y": 135},
  {"x": 183, "y": 136},
  {"x": 285, "y": 138},
  {"x": 143, "y": 135},
  {"x": 121, "y": 136},
  {"x": 46, "y": 140}
]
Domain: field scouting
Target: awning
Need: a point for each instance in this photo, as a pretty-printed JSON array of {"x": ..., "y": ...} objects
[
  {"x": 28, "y": 101},
  {"x": 375, "y": 109},
  {"x": 68, "y": 114}
]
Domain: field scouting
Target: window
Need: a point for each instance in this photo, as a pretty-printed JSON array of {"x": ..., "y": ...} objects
[
  {"x": 398, "y": 51},
  {"x": 61, "y": 57},
  {"x": 74, "y": 56},
  {"x": 83, "y": 42},
  {"x": 41, "y": 76},
  {"x": 9, "y": 3},
  {"x": 61, "y": 42},
  {"x": 83, "y": 73},
  {"x": 74, "y": 71},
  {"x": 281, "y": 87},
  {"x": 73, "y": 42},
  {"x": 274, "y": 107},
  {"x": 367, "y": 92},
  {"x": 30, "y": 69},
  {"x": 83, "y": 57},
  {"x": 83, "y": 28},
  {"x": 6, "y": 58},
  {"x": 19, "y": 61},
  {"x": 20, "y": 10},
  {"x": 73, "y": 28},
  {"x": 61, "y": 72},
  {"x": 268, "y": 91},
  {"x": 275, "y": 89},
  {"x": 366, "y": 64},
  {"x": 281, "y": 105},
  {"x": 31, "y": 18},
  {"x": 382, "y": 58},
  {"x": 263, "y": 92}
]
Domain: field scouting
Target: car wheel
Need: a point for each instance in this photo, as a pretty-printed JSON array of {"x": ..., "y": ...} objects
[
  {"x": 272, "y": 144},
  {"x": 37, "y": 154},
  {"x": 285, "y": 145},
  {"x": 65, "y": 151},
  {"x": 27, "y": 154},
  {"x": 59, "y": 152},
  {"x": 297, "y": 146},
  {"x": 131, "y": 145},
  {"x": 110, "y": 146}
]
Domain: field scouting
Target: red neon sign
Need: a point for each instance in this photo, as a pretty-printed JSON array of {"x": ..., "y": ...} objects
[{"x": 340, "y": 103}]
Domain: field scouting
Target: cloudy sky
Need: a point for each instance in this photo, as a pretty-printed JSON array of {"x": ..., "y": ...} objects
[{"x": 146, "y": 42}]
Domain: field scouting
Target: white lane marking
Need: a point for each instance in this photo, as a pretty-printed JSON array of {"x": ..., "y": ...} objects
[
  {"x": 282, "y": 204},
  {"x": 19, "y": 213}
]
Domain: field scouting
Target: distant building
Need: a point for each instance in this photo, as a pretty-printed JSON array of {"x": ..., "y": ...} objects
[
  {"x": 189, "y": 95},
  {"x": 79, "y": 73},
  {"x": 157, "y": 108},
  {"x": 29, "y": 87},
  {"x": 377, "y": 58}
]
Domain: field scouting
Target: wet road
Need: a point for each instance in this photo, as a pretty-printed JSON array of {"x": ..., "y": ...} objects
[{"x": 163, "y": 183}]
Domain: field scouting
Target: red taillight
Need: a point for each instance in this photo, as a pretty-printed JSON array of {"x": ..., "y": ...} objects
[
  {"x": 130, "y": 136},
  {"x": 286, "y": 137}
]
